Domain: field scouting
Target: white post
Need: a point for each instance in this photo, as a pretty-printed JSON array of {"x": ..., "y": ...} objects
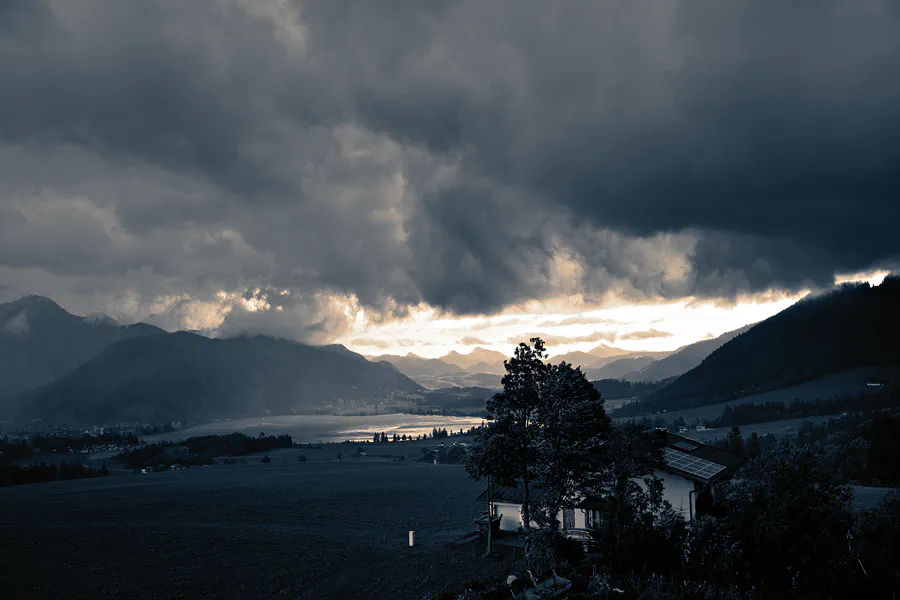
[{"x": 412, "y": 539}]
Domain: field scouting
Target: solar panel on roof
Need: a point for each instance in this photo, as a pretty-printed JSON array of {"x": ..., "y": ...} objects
[
  {"x": 691, "y": 464},
  {"x": 685, "y": 445}
]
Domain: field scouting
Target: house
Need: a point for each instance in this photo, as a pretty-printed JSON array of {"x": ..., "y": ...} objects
[{"x": 688, "y": 470}]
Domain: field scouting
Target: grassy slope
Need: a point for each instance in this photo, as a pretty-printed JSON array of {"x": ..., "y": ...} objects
[{"x": 826, "y": 388}]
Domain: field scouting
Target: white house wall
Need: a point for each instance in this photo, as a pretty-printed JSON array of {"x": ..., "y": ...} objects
[
  {"x": 580, "y": 518},
  {"x": 676, "y": 489},
  {"x": 511, "y": 516},
  {"x": 678, "y": 492}
]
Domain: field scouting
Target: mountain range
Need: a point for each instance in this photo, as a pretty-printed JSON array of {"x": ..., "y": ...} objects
[
  {"x": 189, "y": 377},
  {"x": 601, "y": 362},
  {"x": 413, "y": 365},
  {"x": 480, "y": 360},
  {"x": 63, "y": 368},
  {"x": 594, "y": 358},
  {"x": 683, "y": 359}
]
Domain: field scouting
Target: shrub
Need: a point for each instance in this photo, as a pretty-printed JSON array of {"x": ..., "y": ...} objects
[{"x": 301, "y": 458}]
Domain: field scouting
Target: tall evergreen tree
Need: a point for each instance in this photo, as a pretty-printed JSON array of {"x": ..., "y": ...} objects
[
  {"x": 572, "y": 440},
  {"x": 753, "y": 445},
  {"x": 507, "y": 447},
  {"x": 735, "y": 441}
]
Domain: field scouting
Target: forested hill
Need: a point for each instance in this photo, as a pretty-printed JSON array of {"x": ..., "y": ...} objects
[
  {"x": 614, "y": 389},
  {"x": 183, "y": 376},
  {"x": 852, "y": 326}
]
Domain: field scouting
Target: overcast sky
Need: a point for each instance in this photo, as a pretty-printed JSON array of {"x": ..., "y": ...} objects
[{"x": 335, "y": 170}]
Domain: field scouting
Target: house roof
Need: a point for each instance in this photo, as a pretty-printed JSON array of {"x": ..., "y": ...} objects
[
  {"x": 513, "y": 494},
  {"x": 696, "y": 460}
]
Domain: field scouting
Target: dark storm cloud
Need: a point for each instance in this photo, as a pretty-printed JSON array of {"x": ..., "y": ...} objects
[{"x": 471, "y": 155}]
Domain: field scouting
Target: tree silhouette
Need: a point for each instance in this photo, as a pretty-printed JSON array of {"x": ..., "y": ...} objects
[
  {"x": 572, "y": 431},
  {"x": 507, "y": 448},
  {"x": 735, "y": 441}
]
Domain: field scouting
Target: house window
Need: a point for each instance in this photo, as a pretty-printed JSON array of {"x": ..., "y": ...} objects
[
  {"x": 595, "y": 518},
  {"x": 703, "y": 505}
]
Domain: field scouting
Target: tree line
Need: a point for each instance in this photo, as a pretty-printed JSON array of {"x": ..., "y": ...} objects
[
  {"x": 862, "y": 448},
  {"x": 763, "y": 412},
  {"x": 436, "y": 433},
  {"x": 18, "y": 448},
  {"x": 43, "y": 472},
  {"x": 200, "y": 450}
]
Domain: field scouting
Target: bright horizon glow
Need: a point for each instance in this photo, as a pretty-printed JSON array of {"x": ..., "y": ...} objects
[
  {"x": 870, "y": 277},
  {"x": 639, "y": 327},
  {"x": 567, "y": 325}
]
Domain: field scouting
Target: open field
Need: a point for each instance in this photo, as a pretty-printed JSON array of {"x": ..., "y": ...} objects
[
  {"x": 318, "y": 529},
  {"x": 782, "y": 428}
]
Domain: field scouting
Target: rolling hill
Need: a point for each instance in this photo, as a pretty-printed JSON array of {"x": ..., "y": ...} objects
[
  {"x": 40, "y": 341},
  {"x": 853, "y": 326},
  {"x": 183, "y": 376}
]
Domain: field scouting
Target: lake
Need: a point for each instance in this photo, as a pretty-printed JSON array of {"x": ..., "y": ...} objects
[{"x": 327, "y": 428}]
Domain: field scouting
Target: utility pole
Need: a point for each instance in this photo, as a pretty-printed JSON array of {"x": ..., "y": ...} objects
[{"x": 490, "y": 519}]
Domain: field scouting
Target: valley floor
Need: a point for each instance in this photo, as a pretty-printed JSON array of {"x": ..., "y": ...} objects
[{"x": 316, "y": 529}]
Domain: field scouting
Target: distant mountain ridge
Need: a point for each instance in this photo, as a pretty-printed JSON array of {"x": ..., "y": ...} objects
[
  {"x": 184, "y": 376},
  {"x": 684, "y": 359},
  {"x": 479, "y": 356},
  {"x": 479, "y": 361},
  {"x": 594, "y": 358},
  {"x": 413, "y": 365},
  {"x": 40, "y": 341},
  {"x": 852, "y": 326},
  {"x": 454, "y": 368},
  {"x": 621, "y": 367}
]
